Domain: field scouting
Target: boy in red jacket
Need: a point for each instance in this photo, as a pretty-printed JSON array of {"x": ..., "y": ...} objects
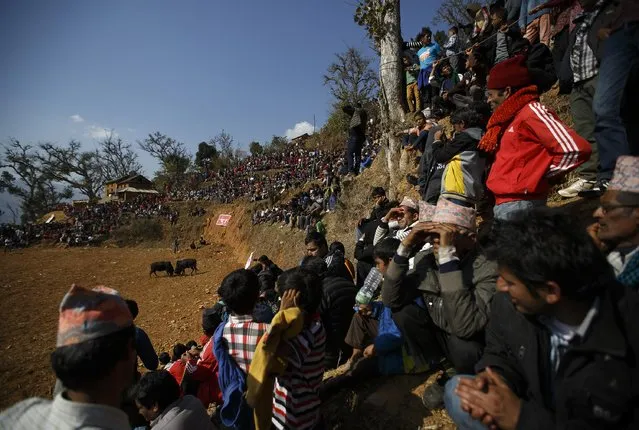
[{"x": 532, "y": 147}]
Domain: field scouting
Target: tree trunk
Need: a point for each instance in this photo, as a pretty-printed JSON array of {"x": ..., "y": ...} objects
[{"x": 390, "y": 73}]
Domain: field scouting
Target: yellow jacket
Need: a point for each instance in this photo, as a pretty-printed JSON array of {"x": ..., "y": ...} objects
[{"x": 266, "y": 365}]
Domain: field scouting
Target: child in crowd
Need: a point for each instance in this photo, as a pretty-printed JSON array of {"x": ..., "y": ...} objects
[
  {"x": 412, "y": 91},
  {"x": 234, "y": 345},
  {"x": 451, "y": 47},
  {"x": 164, "y": 358},
  {"x": 363, "y": 329},
  {"x": 415, "y": 138},
  {"x": 296, "y": 401},
  {"x": 240, "y": 291}
]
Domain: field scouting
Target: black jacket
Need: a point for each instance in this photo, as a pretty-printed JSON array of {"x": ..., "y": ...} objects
[
  {"x": 596, "y": 385},
  {"x": 364, "y": 246},
  {"x": 604, "y": 19},
  {"x": 336, "y": 307}
]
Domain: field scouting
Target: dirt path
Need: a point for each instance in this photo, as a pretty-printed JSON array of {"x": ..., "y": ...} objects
[{"x": 33, "y": 281}]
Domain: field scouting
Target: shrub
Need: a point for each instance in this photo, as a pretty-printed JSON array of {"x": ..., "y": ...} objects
[{"x": 139, "y": 230}]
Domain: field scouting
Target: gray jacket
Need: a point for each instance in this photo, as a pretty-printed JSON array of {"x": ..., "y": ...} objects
[{"x": 457, "y": 294}]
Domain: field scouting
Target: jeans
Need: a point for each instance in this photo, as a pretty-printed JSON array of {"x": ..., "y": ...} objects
[
  {"x": 620, "y": 53},
  {"x": 509, "y": 210},
  {"x": 462, "y": 419}
]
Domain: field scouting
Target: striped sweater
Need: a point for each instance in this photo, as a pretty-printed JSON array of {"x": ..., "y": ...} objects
[{"x": 296, "y": 402}]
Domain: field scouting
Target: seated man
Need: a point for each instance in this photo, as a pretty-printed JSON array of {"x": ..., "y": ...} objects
[
  {"x": 441, "y": 305},
  {"x": 562, "y": 342},
  {"x": 95, "y": 361},
  {"x": 398, "y": 222},
  {"x": 159, "y": 401},
  {"x": 617, "y": 229}
]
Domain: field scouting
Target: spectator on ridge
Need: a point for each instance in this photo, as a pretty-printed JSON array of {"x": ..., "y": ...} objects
[
  {"x": 580, "y": 73},
  {"x": 531, "y": 144},
  {"x": 562, "y": 342},
  {"x": 413, "y": 98},
  {"x": 451, "y": 48},
  {"x": 617, "y": 229},
  {"x": 159, "y": 401},
  {"x": 356, "y": 136},
  {"x": 94, "y": 359},
  {"x": 536, "y": 26}
]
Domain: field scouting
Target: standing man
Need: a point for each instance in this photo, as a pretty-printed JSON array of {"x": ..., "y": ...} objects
[
  {"x": 584, "y": 65},
  {"x": 532, "y": 146},
  {"x": 356, "y": 136}
]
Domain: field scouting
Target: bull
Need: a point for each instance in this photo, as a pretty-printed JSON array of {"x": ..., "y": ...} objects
[
  {"x": 182, "y": 265},
  {"x": 161, "y": 266}
]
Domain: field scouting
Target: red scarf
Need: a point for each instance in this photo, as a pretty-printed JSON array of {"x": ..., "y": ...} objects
[{"x": 504, "y": 115}]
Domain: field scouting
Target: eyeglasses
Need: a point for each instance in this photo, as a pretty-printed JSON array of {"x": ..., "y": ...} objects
[{"x": 607, "y": 208}]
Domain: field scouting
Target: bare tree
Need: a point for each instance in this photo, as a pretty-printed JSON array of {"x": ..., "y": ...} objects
[
  {"x": 117, "y": 158},
  {"x": 14, "y": 214},
  {"x": 350, "y": 78},
  {"x": 225, "y": 145},
  {"x": 453, "y": 13},
  {"x": 82, "y": 170},
  {"x": 24, "y": 176},
  {"x": 171, "y": 154}
]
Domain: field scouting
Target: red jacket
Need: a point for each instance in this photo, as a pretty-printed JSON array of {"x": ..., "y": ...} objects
[{"x": 535, "y": 146}]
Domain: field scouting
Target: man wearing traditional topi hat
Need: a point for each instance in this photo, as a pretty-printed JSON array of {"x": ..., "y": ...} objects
[
  {"x": 95, "y": 360},
  {"x": 453, "y": 283},
  {"x": 532, "y": 146},
  {"x": 617, "y": 227},
  {"x": 398, "y": 222}
]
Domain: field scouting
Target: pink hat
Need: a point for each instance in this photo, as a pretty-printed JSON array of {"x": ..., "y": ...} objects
[
  {"x": 426, "y": 211},
  {"x": 448, "y": 212},
  {"x": 409, "y": 203},
  {"x": 626, "y": 175},
  {"x": 90, "y": 314}
]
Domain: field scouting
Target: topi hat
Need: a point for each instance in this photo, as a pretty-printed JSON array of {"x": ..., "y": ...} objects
[
  {"x": 626, "y": 175},
  {"x": 512, "y": 72},
  {"x": 87, "y": 314},
  {"x": 426, "y": 211},
  {"x": 448, "y": 212},
  {"x": 409, "y": 203}
]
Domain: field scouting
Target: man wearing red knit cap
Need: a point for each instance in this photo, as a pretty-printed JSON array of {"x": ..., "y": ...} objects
[{"x": 532, "y": 147}]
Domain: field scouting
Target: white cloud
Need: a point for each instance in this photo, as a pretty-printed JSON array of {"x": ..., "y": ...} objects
[
  {"x": 299, "y": 129},
  {"x": 97, "y": 132},
  {"x": 76, "y": 118}
]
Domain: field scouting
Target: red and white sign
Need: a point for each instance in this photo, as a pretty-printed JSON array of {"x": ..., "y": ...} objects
[{"x": 223, "y": 220}]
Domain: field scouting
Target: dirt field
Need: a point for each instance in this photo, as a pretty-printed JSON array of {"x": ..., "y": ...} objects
[{"x": 33, "y": 281}]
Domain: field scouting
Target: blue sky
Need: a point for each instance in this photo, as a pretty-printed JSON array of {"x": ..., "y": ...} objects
[{"x": 73, "y": 69}]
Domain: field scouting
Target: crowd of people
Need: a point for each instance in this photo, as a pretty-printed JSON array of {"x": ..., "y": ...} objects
[
  {"x": 259, "y": 177},
  {"x": 86, "y": 224},
  {"x": 529, "y": 319}
]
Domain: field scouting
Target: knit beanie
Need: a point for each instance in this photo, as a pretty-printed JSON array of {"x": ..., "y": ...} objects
[{"x": 512, "y": 72}]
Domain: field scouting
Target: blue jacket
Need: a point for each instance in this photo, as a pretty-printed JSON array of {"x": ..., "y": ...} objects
[{"x": 235, "y": 412}]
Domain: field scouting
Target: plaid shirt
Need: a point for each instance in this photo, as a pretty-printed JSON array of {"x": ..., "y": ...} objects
[
  {"x": 582, "y": 59},
  {"x": 242, "y": 336}
]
